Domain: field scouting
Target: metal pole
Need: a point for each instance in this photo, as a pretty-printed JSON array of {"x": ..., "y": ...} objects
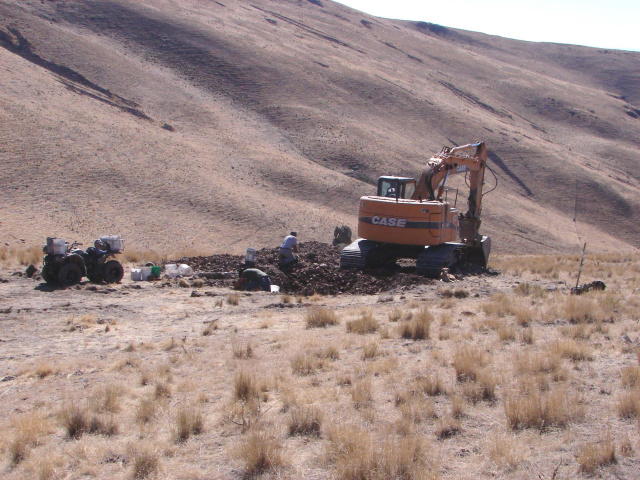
[{"x": 581, "y": 263}]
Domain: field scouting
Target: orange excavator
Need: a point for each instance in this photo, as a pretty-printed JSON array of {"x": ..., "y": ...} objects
[{"x": 409, "y": 219}]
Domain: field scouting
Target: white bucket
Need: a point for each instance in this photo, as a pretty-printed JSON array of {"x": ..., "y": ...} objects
[
  {"x": 275, "y": 288},
  {"x": 56, "y": 246},
  {"x": 114, "y": 241},
  {"x": 185, "y": 270},
  {"x": 136, "y": 274},
  {"x": 145, "y": 273},
  {"x": 251, "y": 255},
  {"x": 171, "y": 270}
]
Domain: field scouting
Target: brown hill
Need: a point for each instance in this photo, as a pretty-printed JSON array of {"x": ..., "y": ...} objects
[{"x": 222, "y": 125}]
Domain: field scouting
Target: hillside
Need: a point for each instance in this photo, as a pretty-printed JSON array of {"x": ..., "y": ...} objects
[{"x": 221, "y": 125}]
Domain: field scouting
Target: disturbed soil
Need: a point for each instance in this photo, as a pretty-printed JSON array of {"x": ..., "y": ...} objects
[{"x": 318, "y": 271}]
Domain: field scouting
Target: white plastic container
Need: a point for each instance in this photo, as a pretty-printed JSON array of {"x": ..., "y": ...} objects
[
  {"x": 114, "y": 241},
  {"x": 56, "y": 246},
  {"x": 171, "y": 270},
  {"x": 185, "y": 270},
  {"x": 251, "y": 255},
  {"x": 145, "y": 273},
  {"x": 136, "y": 274},
  {"x": 275, "y": 288}
]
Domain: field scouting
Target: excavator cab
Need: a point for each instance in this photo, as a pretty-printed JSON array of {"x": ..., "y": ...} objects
[{"x": 396, "y": 187}]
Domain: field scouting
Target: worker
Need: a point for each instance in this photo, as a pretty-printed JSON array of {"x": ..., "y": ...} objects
[
  {"x": 253, "y": 279},
  {"x": 288, "y": 248}
]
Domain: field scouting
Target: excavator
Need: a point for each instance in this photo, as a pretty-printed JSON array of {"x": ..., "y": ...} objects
[{"x": 409, "y": 219}]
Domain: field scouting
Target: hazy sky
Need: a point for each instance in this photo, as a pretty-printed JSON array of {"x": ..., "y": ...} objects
[{"x": 594, "y": 23}]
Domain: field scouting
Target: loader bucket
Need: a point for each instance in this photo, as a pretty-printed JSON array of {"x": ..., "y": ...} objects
[{"x": 480, "y": 255}]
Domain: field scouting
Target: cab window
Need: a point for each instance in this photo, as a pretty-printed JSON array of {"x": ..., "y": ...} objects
[{"x": 387, "y": 188}]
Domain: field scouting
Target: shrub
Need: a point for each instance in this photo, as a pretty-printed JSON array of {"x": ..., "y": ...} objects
[{"x": 317, "y": 317}]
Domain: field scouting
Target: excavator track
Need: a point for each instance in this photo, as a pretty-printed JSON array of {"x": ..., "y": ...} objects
[
  {"x": 434, "y": 258},
  {"x": 355, "y": 255}
]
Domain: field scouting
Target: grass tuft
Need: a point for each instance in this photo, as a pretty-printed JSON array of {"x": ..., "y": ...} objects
[
  {"x": 320, "y": 317},
  {"x": 363, "y": 325}
]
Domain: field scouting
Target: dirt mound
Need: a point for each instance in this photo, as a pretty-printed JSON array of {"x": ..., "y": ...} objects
[{"x": 318, "y": 271}]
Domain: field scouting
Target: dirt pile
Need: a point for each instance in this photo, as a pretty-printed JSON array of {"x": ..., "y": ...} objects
[{"x": 318, "y": 271}]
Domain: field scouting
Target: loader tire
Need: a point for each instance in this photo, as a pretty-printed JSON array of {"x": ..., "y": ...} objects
[
  {"x": 69, "y": 274},
  {"x": 112, "y": 271}
]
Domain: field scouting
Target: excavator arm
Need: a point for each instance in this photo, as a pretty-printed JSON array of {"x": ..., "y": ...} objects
[{"x": 470, "y": 158}]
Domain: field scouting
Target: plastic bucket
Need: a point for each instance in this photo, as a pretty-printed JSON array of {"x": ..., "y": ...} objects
[
  {"x": 185, "y": 270},
  {"x": 156, "y": 271},
  {"x": 171, "y": 269},
  {"x": 251, "y": 255},
  {"x": 275, "y": 288},
  {"x": 136, "y": 274},
  {"x": 145, "y": 273}
]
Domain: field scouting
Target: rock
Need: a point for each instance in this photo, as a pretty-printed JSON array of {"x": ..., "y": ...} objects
[
  {"x": 31, "y": 270},
  {"x": 195, "y": 293},
  {"x": 6, "y": 310}
]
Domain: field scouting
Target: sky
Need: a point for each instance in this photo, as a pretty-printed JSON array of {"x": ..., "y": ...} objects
[{"x": 613, "y": 24}]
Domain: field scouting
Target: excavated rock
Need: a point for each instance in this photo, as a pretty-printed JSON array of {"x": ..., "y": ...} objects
[{"x": 318, "y": 271}]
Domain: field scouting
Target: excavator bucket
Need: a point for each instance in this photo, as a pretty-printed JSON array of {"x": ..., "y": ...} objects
[{"x": 480, "y": 255}]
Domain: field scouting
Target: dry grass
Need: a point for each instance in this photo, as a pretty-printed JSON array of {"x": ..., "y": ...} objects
[
  {"x": 30, "y": 430},
  {"x": 628, "y": 404},
  {"x": 244, "y": 387},
  {"x": 74, "y": 419},
  {"x": 305, "y": 420},
  {"x": 419, "y": 327},
  {"x": 363, "y": 325},
  {"x": 595, "y": 455},
  {"x": 448, "y": 427},
  {"x": 362, "y": 393},
  {"x": 467, "y": 361},
  {"x": 233, "y": 298},
  {"x": 260, "y": 452},
  {"x": 146, "y": 410},
  {"x": 145, "y": 462},
  {"x": 320, "y": 317},
  {"x": 31, "y": 255},
  {"x": 356, "y": 454},
  {"x": 307, "y": 362},
  {"x": 571, "y": 349},
  {"x": 188, "y": 422},
  {"x": 242, "y": 351},
  {"x": 538, "y": 410},
  {"x": 370, "y": 349}
]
